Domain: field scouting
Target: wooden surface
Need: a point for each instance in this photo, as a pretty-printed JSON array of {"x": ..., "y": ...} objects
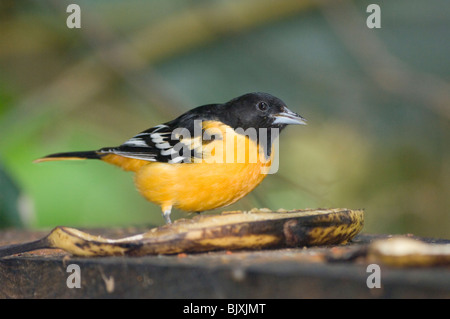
[{"x": 285, "y": 273}]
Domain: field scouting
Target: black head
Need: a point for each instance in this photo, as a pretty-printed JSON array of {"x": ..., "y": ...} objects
[{"x": 259, "y": 110}]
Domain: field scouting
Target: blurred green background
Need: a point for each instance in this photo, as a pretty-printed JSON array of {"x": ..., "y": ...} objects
[{"x": 377, "y": 103}]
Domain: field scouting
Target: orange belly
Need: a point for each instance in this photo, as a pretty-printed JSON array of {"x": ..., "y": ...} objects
[{"x": 195, "y": 186}]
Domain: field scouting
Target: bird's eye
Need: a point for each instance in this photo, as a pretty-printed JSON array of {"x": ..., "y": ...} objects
[{"x": 262, "y": 106}]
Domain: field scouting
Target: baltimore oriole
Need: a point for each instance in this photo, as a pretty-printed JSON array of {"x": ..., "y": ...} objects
[{"x": 188, "y": 163}]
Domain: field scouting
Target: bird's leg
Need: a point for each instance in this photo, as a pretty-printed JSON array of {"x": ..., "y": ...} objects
[{"x": 166, "y": 214}]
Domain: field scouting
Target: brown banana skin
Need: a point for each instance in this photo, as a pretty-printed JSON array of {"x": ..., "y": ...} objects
[{"x": 236, "y": 230}]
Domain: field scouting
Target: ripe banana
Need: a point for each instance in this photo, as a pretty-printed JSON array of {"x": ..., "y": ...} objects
[{"x": 236, "y": 230}]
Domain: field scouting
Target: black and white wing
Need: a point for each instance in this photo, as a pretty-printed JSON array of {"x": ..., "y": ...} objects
[{"x": 162, "y": 143}]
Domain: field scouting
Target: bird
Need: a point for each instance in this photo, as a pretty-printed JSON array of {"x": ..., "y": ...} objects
[{"x": 209, "y": 157}]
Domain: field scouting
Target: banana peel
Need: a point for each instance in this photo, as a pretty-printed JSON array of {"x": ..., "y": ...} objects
[
  {"x": 402, "y": 251},
  {"x": 235, "y": 230}
]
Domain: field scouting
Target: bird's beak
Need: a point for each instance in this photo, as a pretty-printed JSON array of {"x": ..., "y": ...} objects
[{"x": 288, "y": 117}]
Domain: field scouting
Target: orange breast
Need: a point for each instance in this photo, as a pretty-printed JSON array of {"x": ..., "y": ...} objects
[{"x": 205, "y": 184}]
